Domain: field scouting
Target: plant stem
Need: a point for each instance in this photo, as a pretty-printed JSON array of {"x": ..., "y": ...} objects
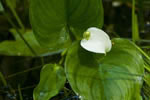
[
  {"x": 21, "y": 25},
  {"x": 72, "y": 37},
  {"x": 25, "y": 41},
  {"x": 3, "y": 79},
  {"x": 135, "y": 28},
  {"x": 15, "y": 14},
  {"x": 24, "y": 71},
  {"x": 146, "y": 56},
  {"x": 20, "y": 93},
  {"x": 143, "y": 53},
  {"x": 20, "y": 34},
  {"x": 25, "y": 88}
]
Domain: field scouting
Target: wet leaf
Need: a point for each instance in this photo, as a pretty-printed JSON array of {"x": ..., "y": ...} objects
[
  {"x": 118, "y": 75},
  {"x": 52, "y": 79}
]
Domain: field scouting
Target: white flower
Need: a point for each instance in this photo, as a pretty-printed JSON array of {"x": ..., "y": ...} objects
[{"x": 95, "y": 40}]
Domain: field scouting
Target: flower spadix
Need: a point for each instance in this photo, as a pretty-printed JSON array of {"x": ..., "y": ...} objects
[{"x": 95, "y": 40}]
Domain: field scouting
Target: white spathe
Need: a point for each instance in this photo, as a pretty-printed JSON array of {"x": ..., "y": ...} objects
[{"x": 97, "y": 42}]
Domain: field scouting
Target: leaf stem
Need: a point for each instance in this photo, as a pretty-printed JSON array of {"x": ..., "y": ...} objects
[
  {"x": 143, "y": 53},
  {"x": 24, "y": 71},
  {"x": 135, "y": 28},
  {"x": 147, "y": 57},
  {"x": 20, "y": 93},
  {"x": 72, "y": 37},
  {"x": 25, "y": 88},
  {"x": 20, "y": 34},
  {"x": 3, "y": 79},
  {"x": 15, "y": 15}
]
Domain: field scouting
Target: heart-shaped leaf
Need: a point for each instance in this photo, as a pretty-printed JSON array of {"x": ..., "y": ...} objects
[
  {"x": 114, "y": 76},
  {"x": 53, "y": 20},
  {"x": 52, "y": 79}
]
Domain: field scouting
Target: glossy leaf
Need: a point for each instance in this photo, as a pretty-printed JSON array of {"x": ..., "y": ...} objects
[
  {"x": 116, "y": 76},
  {"x": 52, "y": 79},
  {"x": 53, "y": 20},
  {"x": 19, "y": 48}
]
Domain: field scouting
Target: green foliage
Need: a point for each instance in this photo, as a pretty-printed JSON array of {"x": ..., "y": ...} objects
[
  {"x": 114, "y": 76},
  {"x": 146, "y": 87},
  {"x": 55, "y": 21},
  {"x": 56, "y": 24},
  {"x": 52, "y": 79},
  {"x": 11, "y": 3},
  {"x": 1, "y": 7},
  {"x": 19, "y": 48}
]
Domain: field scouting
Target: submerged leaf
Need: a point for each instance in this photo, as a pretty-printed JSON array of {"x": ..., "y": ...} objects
[
  {"x": 52, "y": 79},
  {"x": 116, "y": 76}
]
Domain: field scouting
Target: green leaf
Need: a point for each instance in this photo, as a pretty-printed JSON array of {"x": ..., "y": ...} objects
[
  {"x": 52, "y": 79},
  {"x": 19, "y": 48},
  {"x": 1, "y": 7},
  {"x": 115, "y": 76},
  {"x": 54, "y": 21}
]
